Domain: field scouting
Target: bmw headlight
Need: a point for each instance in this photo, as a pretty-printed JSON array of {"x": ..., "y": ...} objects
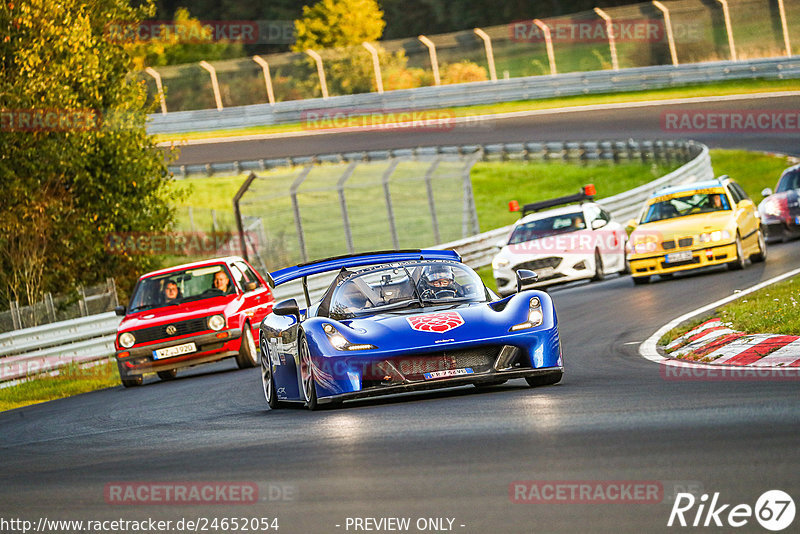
[
  {"x": 127, "y": 340},
  {"x": 216, "y": 322},
  {"x": 339, "y": 342},
  {"x": 535, "y": 316},
  {"x": 500, "y": 262},
  {"x": 714, "y": 237}
]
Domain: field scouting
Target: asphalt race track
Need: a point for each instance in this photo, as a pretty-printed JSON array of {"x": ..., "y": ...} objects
[
  {"x": 634, "y": 122},
  {"x": 451, "y": 454}
]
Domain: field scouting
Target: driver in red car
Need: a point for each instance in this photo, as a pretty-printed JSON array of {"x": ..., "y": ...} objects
[{"x": 222, "y": 282}]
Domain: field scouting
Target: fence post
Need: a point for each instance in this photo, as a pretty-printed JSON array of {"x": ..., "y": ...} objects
[
  {"x": 157, "y": 77},
  {"x": 323, "y": 83},
  {"x": 191, "y": 218},
  {"x": 348, "y": 234},
  {"x": 469, "y": 218},
  {"x": 728, "y": 29},
  {"x": 296, "y": 208},
  {"x": 376, "y": 65},
  {"x": 388, "y": 197},
  {"x": 668, "y": 26},
  {"x": 267, "y": 78},
  {"x": 214, "y": 82},
  {"x": 82, "y": 305},
  {"x": 112, "y": 288},
  {"x": 431, "y": 203},
  {"x": 487, "y": 44},
  {"x": 213, "y": 221},
  {"x": 784, "y": 28},
  {"x": 548, "y": 42},
  {"x": 51, "y": 308},
  {"x": 612, "y": 42},
  {"x": 434, "y": 62},
  {"x": 16, "y": 320},
  {"x": 238, "y": 213}
]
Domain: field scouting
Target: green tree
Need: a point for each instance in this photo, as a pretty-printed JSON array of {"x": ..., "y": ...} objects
[
  {"x": 76, "y": 163},
  {"x": 338, "y": 23}
]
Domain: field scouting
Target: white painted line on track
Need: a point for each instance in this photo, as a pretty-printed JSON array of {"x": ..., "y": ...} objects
[
  {"x": 477, "y": 118},
  {"x": 648, "y": 348}
]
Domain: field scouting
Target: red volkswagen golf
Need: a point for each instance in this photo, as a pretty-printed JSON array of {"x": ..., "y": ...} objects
[{"x": 191, "y": 314}]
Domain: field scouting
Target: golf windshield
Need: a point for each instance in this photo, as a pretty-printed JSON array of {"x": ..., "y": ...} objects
[{"x": 181, "y": 286}]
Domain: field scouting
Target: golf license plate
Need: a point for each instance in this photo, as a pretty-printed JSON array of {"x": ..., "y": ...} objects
[
  {"x": 177, "y": 350},
  {"x": 448, "y": 373},
  {"x": 677, "y": 257}
]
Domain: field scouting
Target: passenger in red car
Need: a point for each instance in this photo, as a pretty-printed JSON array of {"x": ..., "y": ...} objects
[{"x": 222, "y": 282}]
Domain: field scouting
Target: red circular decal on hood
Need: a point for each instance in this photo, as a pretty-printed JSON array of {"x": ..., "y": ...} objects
[{"x": 436, "y": 322}]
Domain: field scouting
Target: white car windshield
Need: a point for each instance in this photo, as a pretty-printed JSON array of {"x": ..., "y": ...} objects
[
  {"x": 405, "y": 285},
  {"x": 558, "y": 224}
]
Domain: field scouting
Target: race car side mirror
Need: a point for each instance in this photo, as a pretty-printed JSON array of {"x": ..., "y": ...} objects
[
  {"x": 766, "y": 192},
  {"x": 120, "y": 311},
  {"x": 598, "y": 223},
  {"x": 525, "y": 278},
  {"x": 286, "y": 307}
]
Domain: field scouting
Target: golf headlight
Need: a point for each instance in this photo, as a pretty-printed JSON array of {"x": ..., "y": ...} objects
[
  {"x": 499, "y": 263},
  {"x": 216, "y": 322},
  {"x": 535, "y": 316},
  {"x": 339, "y": 342},
  {"x": 126, "y": 340}
]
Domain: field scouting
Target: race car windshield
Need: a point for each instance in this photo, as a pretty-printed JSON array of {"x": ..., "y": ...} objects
[
  {"x": 559, "y": 224},
  {"x": 789, "y": 181},
  {"x": 688, "y": 204},
  {"x": 181, "y": 286},
  {"x": 410, "y": 285}
]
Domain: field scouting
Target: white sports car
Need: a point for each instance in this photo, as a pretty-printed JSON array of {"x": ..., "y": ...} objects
[{"x": 561, "y": 245}]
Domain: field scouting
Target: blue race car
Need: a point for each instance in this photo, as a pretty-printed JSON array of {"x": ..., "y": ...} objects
[{"x": 401, "y": 321}]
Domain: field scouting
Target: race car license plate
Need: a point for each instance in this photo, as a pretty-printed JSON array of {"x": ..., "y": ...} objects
[
  {"x": 676, "y": 257},
  {"x": 177, "y": 350},
  {"x": 448, "y": 373}
]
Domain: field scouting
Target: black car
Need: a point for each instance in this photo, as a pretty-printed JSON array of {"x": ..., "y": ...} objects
[{"x": 780, "y": 211}]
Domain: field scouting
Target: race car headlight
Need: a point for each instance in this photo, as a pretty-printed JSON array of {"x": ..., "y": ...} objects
[
  {"x": 216, "y": 322},
  {"x": 127, "y": 340},
  {"x": 499, "y": 263},
  {"x": 773, "y": 207},
  {"x": 339, "y": 342},
  {"x": 535, "y": 316}
]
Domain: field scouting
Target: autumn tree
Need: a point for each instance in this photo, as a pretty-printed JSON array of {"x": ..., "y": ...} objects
[{"x": 76, "y": 163}]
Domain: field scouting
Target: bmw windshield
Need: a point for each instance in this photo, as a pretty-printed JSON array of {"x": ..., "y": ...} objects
[{"x": 407, "y": 285}]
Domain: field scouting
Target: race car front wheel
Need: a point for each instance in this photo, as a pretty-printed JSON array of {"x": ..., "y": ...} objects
[
  {"x": 599, "y": 273},
  {"x": 761, "y": 255},
  {"x": 247, "y": 349},
  {"x": 169, "y": 374},
  {"x": 307, "y": 373},
  {"x": 545, "y": 380},
  {"x": 738, "y": 263}
]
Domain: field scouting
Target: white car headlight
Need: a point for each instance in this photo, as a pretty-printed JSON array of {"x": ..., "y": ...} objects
[
  {"x": 127, "y": 340},
  {"x": 216, "y": 322},
  {"x": 535, "y": 316}
]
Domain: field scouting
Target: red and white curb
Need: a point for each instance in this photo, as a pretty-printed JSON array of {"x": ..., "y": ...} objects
[
  {"x": 716, "y": 343},
  {"x": 780, "y": 358}
]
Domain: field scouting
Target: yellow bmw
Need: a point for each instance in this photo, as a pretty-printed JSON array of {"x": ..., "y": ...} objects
[{"x": 685, "y": 227}]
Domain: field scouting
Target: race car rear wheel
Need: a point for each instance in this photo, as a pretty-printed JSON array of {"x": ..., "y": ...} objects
[
  {"x": 169, "y": 374},
  {"x": 738, "y": 263},
  {"x": 761, "y": 255},
  {"x": 247, "y": 356},
  {"x": 545, "y": 380},
  {"x": 307, "y": 373},
  {"x": 598, "y": 266},
  {"x": 267, "y": 378}
]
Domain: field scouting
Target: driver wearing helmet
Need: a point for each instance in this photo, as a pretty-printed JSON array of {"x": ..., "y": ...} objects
[{"x": 438, "y": 282}]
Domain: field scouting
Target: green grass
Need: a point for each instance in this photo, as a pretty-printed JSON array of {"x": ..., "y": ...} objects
[
  {"x": 771, "y": 310},
  {"x": 753, "y": 170},
  {"x": 702, "y": 90},
  {"x": 71, "y": 380}
]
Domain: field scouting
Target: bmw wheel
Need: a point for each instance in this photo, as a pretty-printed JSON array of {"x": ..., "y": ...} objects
[
  {"x": 307, "y": 374},
  {"x": 267, "y": 378},
  {"x": 738, "y": 263},
  {"x": 247, "y": 349},
  {"x": 761, "y": 255}
]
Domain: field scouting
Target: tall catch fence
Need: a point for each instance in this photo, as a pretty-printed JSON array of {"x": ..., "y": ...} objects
[
  {"x": 398, "y": 199},
  {"x": 637, "y": 35}
]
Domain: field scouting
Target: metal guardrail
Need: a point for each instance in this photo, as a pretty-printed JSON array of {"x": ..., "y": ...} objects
[
  {"x": 45, "y": 348},
  {"x": 477, "y": 93}
]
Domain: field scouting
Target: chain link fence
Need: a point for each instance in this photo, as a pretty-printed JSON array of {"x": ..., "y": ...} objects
[
  {"x": 295, "y": 214},
  {"x": 84, "y": 302},
  {"x": 686, "y": 31}
]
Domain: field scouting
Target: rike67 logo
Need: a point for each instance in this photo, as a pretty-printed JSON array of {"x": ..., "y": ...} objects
[
  {"x": 774, "y": 510},
  {"x": 436, "y": 322}
]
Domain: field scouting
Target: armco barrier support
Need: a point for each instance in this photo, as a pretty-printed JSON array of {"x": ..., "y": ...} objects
[{"x": 479, "y": 93}]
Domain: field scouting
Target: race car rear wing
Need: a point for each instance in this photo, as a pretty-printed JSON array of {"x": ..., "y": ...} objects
[{"x": 587, "y": 193}]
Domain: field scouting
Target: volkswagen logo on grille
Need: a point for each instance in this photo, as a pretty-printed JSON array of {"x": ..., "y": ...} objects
[{"x": 171, "y": 330}]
